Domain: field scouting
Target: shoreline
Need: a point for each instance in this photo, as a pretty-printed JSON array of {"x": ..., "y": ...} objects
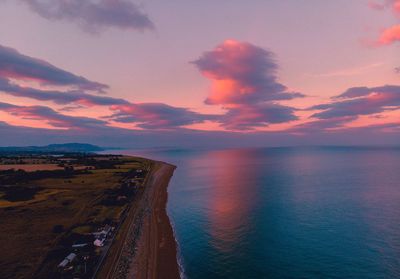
[
  {"x": 156, "y": 250},
  {"x": 147, "y": 245}
]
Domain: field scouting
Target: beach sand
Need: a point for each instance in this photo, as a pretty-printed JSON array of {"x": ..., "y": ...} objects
[{"x": 156, "y": 250}]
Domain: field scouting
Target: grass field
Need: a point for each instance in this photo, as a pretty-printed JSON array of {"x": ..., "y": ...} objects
[
  {"x": 40, "y": 212},
  {"x": 31, "y": 167}
]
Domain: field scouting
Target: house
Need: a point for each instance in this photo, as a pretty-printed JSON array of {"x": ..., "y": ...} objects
[
  {"x": 80, "y": 245},
  {"x": 64, "y": 263},
  {"x": 68, "y": 259},
  {"x": 99, "y": 242},
  {"x": 106, "y": 230}
]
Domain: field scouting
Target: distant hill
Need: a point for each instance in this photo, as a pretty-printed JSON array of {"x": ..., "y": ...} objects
[{"x": 53, "y": 148}]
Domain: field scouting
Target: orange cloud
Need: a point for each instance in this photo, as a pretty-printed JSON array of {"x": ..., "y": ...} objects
[
  {"x": 245, "y": 82},
  {"x": 390, "y": 35},
  {"x": 242, "y": 73},
  {"x": 396, "y": 6}
]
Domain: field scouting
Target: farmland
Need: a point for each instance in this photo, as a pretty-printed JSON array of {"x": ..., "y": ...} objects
[{"x": 50, "y": 204}]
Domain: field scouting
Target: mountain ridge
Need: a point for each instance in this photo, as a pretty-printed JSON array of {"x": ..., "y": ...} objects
[{"x": 54, "y": 148}]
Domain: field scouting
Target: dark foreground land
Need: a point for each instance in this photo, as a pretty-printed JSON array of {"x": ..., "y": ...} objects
[{"x": 84, "y": 216}]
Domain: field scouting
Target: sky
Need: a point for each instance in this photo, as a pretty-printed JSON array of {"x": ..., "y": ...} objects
[{"x": 200, "y": 73}]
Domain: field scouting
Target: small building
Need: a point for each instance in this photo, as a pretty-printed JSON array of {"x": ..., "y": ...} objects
[
  {"x": 68, "y": 259},
  {"x": 107, "y": 229},
  {"x": 64, "y": 263},
  {"x": 99, "y": 242},
  {"x": 79, "y": 245}
]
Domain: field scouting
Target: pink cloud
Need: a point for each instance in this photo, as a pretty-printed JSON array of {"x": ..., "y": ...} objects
[
  {"x": 376, "y": 6},
  {"x": 56, "y": 96},
  {"x": 396, "y": 7},
  {"x": 382, "y": 5},
  {"x": 248, "y": 117},
  {"x": 157, "y": 115},
  {"x": 242, "y": 73},
  {"x": 52, "y": 117},
  {"x": 359, "y": 101},
  {"x": 14, "y": 65},
  {"x": 390, "y": 35},
  {"x": 245, "y": 82}
]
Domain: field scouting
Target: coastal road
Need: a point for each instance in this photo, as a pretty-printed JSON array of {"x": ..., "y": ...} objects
[{"x": 109, "y": 265}]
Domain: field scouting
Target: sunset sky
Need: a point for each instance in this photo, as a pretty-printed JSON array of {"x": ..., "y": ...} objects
[{"x": 227, "y": 73}]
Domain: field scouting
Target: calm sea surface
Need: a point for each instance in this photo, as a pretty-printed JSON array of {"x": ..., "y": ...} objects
[{"x": 329, "y": 212}]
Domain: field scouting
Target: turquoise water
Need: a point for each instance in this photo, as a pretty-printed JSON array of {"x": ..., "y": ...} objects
[{"x": 328, "y": 212}]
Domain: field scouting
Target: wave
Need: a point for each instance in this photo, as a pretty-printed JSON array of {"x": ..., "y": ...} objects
[{"x": 179, "y": 257}]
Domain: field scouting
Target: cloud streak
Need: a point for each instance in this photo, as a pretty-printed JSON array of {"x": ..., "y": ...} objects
[
  {"x": 94, "y": 16},
  {"x": 247, "y": 117},
  {"x": 14, "y": 65},
  {"x": 157, "y": 115},
  {"x": 322, "y": 125},
  {"x": 145, "y": 115},
  {"x": 58, "y": 97},
  {"x": 359, "y": 101},
  {"x": 51, "y": 117},
  {"x": 109, "y": 136}
]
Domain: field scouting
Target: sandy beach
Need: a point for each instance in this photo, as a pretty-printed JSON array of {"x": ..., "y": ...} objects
[
  {"x": 156, "y": 252},
  {"x": 146, "y": 247}
]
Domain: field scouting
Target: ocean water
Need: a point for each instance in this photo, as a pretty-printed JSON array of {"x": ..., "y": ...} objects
[{"x": 322, "y": 212}]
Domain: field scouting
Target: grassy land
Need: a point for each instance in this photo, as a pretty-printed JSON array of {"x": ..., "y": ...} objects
[{"x": 42, "y": 212}]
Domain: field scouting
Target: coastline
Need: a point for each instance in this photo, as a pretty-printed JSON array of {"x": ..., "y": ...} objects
[
  {"x": 156, "y": 248},
  {"x": 146, "y": 246}
]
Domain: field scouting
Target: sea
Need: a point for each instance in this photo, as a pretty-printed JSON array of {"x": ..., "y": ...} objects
[{"x": 288, "y": 212}]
